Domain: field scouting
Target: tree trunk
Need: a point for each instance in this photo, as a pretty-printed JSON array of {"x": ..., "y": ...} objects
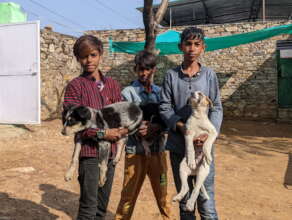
[
  {"x": 151, "y": 22},
  {"x": 148, "y": 19}
]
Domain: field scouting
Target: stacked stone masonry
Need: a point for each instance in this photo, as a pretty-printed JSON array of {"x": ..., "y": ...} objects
[{"x": 247, "y": 73}]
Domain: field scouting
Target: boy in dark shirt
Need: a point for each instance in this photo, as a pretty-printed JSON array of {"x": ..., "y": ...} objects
[{"x": 94, "y": 90}]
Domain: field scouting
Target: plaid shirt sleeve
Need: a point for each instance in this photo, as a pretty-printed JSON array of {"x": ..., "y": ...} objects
[
  {"x": 89, "y": 133},
  {"x": 117, "y": 97},
  {"x": 72, "y": 95}
]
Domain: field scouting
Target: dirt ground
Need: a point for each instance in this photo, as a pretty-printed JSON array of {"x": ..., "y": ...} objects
[{"x": 252, "y": 165}]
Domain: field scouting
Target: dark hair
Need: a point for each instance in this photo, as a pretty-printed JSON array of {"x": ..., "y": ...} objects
[
  {"x": 192, "y": 33},
  {"x": 87, "y": 40},
  {"x": 145, "y": 60}
]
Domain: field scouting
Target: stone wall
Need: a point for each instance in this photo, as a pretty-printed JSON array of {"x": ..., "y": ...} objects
[
  {"x": 58, "y": 66},
  {"x": 247, "y": 73}
]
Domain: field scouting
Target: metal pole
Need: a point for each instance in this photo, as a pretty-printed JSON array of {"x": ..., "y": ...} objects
[
  {"x": 264, "y": 10},
  {"x": 170, "y": 18}
]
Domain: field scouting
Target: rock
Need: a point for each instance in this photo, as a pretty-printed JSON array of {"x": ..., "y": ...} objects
[
  {"x": 233, "y": 129},
  {"x": 51, "y": 48},
  {"x": 22, "y": 169}
]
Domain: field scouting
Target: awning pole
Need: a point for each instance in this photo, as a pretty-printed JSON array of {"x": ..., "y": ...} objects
[
  {"x": 264, "y": 10},
  {"x": 170, "y": 18}
]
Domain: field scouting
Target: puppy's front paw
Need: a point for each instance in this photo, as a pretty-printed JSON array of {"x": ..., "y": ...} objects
[
  {"x": 209, "y": 159},
  {"x": 190, "y": 206},
  {"x": 68, "y": 175},
  {"x": 101, "y": 181},
  {"x": 177, "y": 198},
  {"x": 115, "y": 161},
  {"x": 192, "y": 164},
  {"x": 102, "y": 175}
]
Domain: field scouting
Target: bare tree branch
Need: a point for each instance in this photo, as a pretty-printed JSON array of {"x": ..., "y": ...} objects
[
  {"x": 161, "y": 11},
  {"x": 151, "y": 22}
]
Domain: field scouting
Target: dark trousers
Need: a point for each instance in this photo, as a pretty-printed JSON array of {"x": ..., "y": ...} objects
[
  {"x": 206, "y": 208},
  {"x": 93, "y": 200}
]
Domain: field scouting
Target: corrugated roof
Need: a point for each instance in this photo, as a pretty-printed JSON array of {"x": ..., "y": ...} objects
[{"x": 192, "y": 12}]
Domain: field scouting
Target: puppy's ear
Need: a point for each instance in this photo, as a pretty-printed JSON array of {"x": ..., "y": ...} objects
[
  {"x": 210, "y": 103},
  {"x": 83, "y": 112},
  {"x": 67, "y": 109},
  {"x": 189, "y": 101}
]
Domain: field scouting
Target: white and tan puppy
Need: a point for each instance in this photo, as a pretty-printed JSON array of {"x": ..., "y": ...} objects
[{"x": 197, "y": 124}]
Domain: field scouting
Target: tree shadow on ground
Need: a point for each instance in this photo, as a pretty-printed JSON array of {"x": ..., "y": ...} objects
[
  {"x": 288, "y": 173},
  {"x": 14, "y": 208},
  {"x": 24, "y": 127},
  {"x": 59, "y": 199},
  {"x": 63, "y": 200},
  {"x": 259, "y": 138}
]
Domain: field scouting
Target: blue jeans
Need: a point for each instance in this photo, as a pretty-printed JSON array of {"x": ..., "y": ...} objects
[
  {"x": 206, "y": 208},
  {"x": 93, "y": 200}
]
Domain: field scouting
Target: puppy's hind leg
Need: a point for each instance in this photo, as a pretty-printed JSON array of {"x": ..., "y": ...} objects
[
  {"x": 103, "y": 156},
  {"x": 163, "y": 139},
  {"x": 201, "y": 176},
  {"x": 184, "y": 173},
  {"x": 207, "y": 148},
  {"x": 74, "y": 162},
  {"x": 120, "y": 148},
  {"x": 190, "y": 152},
  {"x": 204, "y": 192},
  {"x": 146, "y": 146}
]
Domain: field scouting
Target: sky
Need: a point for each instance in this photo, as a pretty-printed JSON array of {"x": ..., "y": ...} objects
[{"x": 73, "y": 17}]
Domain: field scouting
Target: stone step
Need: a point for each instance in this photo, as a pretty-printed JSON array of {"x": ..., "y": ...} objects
[
  {"x": 10, "y": 131},
  {"x": 285, "y": 115}
]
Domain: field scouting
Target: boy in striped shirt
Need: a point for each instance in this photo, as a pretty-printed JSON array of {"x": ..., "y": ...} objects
[{"x": 94, "y": 90}]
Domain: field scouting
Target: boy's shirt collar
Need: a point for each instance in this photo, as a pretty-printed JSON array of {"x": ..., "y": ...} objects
[
  {"x": 201, "y": 70},
  {"x": 91, "y": 78},
  {"x": 153, "y": 87}
]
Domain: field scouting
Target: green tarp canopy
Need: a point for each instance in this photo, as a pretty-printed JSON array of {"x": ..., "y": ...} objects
[
  {"x": 167, "y": 42},
  {"x": 11, "y": 12}
]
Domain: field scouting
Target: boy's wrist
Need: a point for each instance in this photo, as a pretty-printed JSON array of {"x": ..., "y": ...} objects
[
  {"x": 180, "y": 127},
  {"x": 100, "y": 134}
]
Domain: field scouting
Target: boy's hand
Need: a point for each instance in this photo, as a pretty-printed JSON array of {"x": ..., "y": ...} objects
[
  {"x": 154, "y": 129},
  {"x": 124, "y": 131},
  {"x": 114, "y": 134},
  {"x": 147, "y": 129},
  {"x": 180, "y": 126},
  {"x": 144, "y": 128},
  {"x": 199, "y": 141}
]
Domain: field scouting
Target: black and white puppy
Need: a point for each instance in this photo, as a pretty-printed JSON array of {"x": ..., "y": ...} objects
[{"x": 121, "y": 114}]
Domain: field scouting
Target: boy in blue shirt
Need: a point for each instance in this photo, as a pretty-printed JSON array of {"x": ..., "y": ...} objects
[
  {"x": 177, "y": 87},
  {"x": 137, "y": 164}
]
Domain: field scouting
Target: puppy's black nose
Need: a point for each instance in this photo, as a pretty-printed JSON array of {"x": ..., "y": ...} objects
[
  {"x": 192, "y": 94},
  {"x": 63, "y": 132}
]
